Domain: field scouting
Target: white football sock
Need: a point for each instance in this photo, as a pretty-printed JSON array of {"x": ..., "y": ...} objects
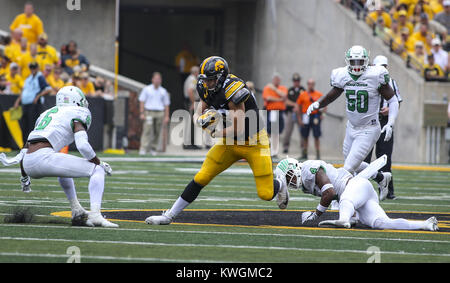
[
  {"x": 178, "y": 206},
  {"x": 96, "y": 187},
  {"x": 68, "y": 185},
  {"x": 399, "y": 224}
]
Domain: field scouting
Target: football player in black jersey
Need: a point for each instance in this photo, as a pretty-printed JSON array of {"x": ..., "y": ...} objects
[{"x": 226, "y": 99}]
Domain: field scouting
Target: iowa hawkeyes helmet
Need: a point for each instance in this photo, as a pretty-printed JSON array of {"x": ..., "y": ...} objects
[{"x": 214, "y": 68}]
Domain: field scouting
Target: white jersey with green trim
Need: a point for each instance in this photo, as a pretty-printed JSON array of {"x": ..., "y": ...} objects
[
  {"x": 361, "y": 92},
  {"x": 56, "y": 125},
  {"x": 338, "y": 177}
]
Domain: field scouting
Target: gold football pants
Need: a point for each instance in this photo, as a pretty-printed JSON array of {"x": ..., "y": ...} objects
[{"x": 221, "y": 156}]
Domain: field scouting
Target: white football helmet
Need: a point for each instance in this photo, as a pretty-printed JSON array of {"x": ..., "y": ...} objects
[
  {"x": 357, "y": 60},
  {"x": 380, "y": 60},
  {"x": 71, "y": 96},
  {"x": 292, "y": 170}
]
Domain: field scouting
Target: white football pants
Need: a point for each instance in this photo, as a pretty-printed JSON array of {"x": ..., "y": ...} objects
[{"x": 357, "y": 144}]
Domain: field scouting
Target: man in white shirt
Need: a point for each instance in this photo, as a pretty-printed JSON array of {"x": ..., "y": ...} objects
[
  {"x": 154, "y": 108},
  {"x": 440, "y": 55}
]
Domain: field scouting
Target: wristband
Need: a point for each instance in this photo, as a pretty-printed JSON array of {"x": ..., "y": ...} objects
[{"x": 321, "y": 208}]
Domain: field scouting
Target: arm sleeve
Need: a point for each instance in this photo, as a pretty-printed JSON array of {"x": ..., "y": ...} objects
[
  {"x": 83, "y": 145},
  {"x": 393, "y": 110}
]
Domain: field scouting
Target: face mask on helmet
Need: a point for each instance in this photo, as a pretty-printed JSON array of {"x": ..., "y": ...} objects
[
  {"x": 357, "y": 60},
  {"x": 294, "y": 179}
]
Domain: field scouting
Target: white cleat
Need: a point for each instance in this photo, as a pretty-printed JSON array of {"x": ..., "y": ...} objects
[
  {"x": 25, "y": 182},
  {"x": 164, "y": 219},
  {"x": 283, "y": 197},
  {"x": 383, "y": 186},
  {"x": 431, "y": 224},
  {"x": 336, "y": 223},
  {"x": 95, "y": 219}
]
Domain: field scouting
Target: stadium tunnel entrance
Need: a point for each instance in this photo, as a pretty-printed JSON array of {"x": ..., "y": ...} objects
[{"x": 151, "y": 35}]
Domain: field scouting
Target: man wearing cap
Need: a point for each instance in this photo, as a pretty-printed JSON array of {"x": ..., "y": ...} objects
[
  {"x": 440, "y": 56},
  {"x": 403, "y": 21},
  {"x": 291, "y": 119},
  {"x": 46, "y": 54},
  {"x": 35, "y": 87},
  {"x": 382, "y": 146},
  {"x": 418, "y": 56}
]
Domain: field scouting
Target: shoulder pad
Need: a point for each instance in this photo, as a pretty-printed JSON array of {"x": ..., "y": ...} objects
[
  {"x": 232, "y": 85},
  {"x": 83, "y": 115},
  {"x": 241, "y": 96}
]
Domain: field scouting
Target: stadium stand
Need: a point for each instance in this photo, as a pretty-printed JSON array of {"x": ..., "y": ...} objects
[{"x": 410, "y": 30}]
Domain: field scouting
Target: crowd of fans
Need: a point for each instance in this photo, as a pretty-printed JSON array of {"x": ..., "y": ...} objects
[
  {"x": 28, "y": 44},
  {"x": 416, "y": 30}
]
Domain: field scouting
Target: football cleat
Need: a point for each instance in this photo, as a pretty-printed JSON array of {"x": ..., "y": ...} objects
[
  {"x": 79, "y": 217},
  {"x": 383, "y": 186},
  {"x": 431, "y": 224},
  {"x": 95, "y": 219},
  {"x": 164, "y": 219},
  {"x": 25, "y": 182}
]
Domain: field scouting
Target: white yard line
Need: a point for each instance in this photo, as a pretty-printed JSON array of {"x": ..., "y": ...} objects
[
  {"x": 186, "y": 245},
  {"x": 150, "y": 230}
]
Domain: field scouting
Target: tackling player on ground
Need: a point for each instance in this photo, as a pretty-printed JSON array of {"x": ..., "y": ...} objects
[
  {"x": 364, "y": 87},
  {"x": 63, "y": 124},
  {"x": 226, "y": 98},
  {"x": 355, "y": 194}
]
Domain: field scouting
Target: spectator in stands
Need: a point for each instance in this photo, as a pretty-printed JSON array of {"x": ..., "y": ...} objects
[
  {"x": 440, "y": 56},
  {"x": 444, "y": 19},
  {"x": 74, "y": 58},
  {"x": 4, "y": 65},
  {"x": 47, "y": 71},
  {"x": 290, "y": 115},
  {"x": 4, "y": 86},
  {"x": 66, "y": 79},
  {"x": 394, "y": 32},
  {"x": 274, "y": 96},
  {"x": 372, "y": 18},
  {"x": 311, "y": 122},
  {"x": 75, "y": 79},
  {"x": 35, "y": 87},
  {"x": 14, "y": 79},
  {"x": 416, "y": 10},
  {"x": 154, "y": 105},
  {"x": 418, "y": 56},
  {"x": 423, "y": 35},
  {"x": 434, "y": 28},
  {"x": 190, "y": 98},
  {"x": 55, "y": 81},
  {"x": 86, "y": 85},
  {"x": 12, "y": 45},
  {"x": 29, "y": 22},
  {"x": 431, "y": 70},
  {"x": 436, "y": 6},
  {"x": 99, "y": 86},
  {"x": 403, "y": 21},
  {"x": 27, "y": 58},
  {"x": 46, "y": 53}
]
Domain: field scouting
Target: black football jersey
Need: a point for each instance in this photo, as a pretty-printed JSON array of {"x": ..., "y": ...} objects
[{"x": 234, "y": 90}]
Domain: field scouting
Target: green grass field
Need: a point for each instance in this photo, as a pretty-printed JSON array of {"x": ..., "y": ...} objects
[{"x": 155, "y": 185}]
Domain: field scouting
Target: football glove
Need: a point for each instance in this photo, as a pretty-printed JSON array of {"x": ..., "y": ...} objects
[
  {"x": 388, "y": 129},
  {"x": 208, "y": 121},
  {"x": 309, "y": 216},
  {"x": 106, "y": 167},
  {"x": 312, "y": 107}
]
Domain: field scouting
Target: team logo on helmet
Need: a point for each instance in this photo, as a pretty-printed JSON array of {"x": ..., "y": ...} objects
[{"x": 219, "y": 65}]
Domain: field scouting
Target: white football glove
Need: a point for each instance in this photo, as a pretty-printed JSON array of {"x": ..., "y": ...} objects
[
  {"x": 309, "y": 216},
  {"x": 388, "y": 129},
  {"x": 14, "y": 160},
  {"x": 106, "y": 167},
  {"x": 312, "y": 107}
]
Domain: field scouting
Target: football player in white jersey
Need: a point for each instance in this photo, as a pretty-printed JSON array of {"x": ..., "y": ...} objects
[
  {"x": 364, "y": 87},
  {"x": 55, "y": 128},
  {"x": 357, "y": 198}
]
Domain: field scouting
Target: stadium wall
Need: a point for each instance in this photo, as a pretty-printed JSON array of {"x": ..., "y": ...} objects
[
  {"x": 92, "y": 27},
  {"x": 311, "y": 37}
]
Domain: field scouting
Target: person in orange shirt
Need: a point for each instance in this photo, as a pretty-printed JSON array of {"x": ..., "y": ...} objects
[
  {"x": 29, "y": 23},
  {"x": 311, "y": 122},
  {"x": 274, "y": 96}
]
